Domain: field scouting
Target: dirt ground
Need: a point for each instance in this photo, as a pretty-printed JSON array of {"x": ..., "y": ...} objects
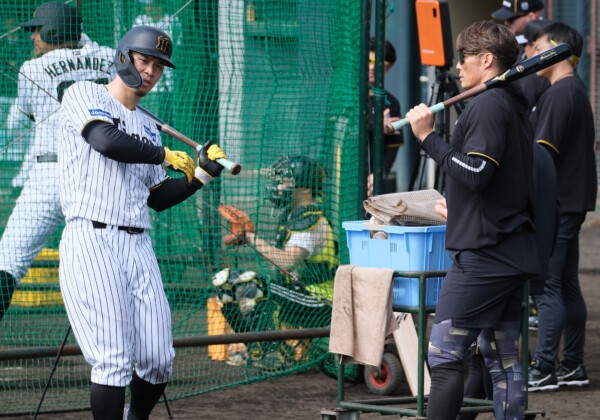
[{"x": 305, "y": 395}]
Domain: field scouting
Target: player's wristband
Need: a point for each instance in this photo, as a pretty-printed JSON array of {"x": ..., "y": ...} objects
[{"x": 203, "y": 176}]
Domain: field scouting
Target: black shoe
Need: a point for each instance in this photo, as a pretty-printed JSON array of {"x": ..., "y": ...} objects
[
  {"x": 7, "y": 288},
  {"x": 540, "y": 381},
  {"x": 572, "y": 377}
]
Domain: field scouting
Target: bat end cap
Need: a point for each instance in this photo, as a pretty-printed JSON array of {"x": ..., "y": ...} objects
[{"x": 389, "y": 129}]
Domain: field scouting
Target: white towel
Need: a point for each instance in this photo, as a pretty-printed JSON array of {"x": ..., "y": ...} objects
[{"x": 362, "y": 315}]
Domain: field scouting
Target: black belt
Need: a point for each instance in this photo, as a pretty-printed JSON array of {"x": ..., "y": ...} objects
[
  {"x": 47, "y": 157},
  {"x": 128, "y": 229}
]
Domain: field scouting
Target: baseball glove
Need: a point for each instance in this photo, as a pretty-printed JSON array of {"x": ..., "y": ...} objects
[{"x": 240, "y": 223}]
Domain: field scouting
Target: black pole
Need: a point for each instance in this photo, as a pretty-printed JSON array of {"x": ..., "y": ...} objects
[
  {"x": 363, "y": 77},
  {"x": 167, "y": 406},
  {"x": 54, "y": 365},
  {"x": 205, "y": 340},
  {"x": 379, "y": 93}
]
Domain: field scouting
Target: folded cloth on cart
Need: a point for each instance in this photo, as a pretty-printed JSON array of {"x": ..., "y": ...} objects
[
  {"x": 412, "y": 208},
  {"x": 362, "y": 315}
]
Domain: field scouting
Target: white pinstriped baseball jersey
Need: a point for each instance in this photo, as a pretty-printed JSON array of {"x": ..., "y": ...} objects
[
  {"x": 92, "y": 186},
  {"x": 110, "y": 278},
  {"x": 42, "y": 81}
]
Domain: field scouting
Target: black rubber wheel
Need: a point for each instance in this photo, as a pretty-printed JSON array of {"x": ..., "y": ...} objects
[{"x": 387, "y": 380}]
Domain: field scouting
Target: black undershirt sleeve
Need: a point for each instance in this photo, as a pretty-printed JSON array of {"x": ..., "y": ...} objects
[
  {"x": 171, "y": 192},
  {"x": 473, "y": 171},
  {"x": 113, "y": 143}
]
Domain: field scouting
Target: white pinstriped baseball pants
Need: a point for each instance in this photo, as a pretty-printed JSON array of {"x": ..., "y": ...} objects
[
  {"x": 34, "y": 219},
  {"x": 114, "y": 296}
]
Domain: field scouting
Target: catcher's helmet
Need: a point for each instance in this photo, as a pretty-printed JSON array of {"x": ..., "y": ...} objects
[
  {"x": 293, "y": 172},
  {"x": 146, "y": 40},
  {"x": 58, "y": 23}
]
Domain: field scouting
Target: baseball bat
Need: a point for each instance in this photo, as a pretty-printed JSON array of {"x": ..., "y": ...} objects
[
  {"x": 516, "y": 72},
  {"x": 233, "y": 167}
]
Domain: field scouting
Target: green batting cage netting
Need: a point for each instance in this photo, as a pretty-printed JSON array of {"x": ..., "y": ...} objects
[{"x": 275, "y": 84}]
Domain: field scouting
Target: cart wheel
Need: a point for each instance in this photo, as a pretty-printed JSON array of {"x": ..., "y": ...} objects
[{"x": 386, "y": 379}]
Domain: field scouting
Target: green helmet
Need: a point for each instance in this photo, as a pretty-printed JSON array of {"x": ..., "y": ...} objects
[{"x": 302, "y": 171}]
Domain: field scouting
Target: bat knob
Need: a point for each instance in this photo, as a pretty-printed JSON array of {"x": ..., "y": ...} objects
[
  {"x": 235, "y": 169},
  {"x": 389, "y": 129}
]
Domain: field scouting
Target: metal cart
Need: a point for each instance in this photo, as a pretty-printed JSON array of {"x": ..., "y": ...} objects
[{"x": 414, "y": 407}]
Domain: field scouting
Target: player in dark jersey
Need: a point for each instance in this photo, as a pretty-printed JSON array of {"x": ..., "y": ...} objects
[
  {"x": 564, "y": 124},
  {"x": 489, "y": 192},
  {"x": 533, "y": 86},
  {"x": 517, "y": 15}
]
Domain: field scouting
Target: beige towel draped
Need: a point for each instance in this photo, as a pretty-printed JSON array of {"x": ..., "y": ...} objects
[
  {"x": 362, "y": 315},
  {"x": 412, "y": 208}
]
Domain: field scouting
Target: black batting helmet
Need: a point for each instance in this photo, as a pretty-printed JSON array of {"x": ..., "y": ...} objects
[
  {"x": 145, "y": 40},
  {"x": 58, "y": 23}
]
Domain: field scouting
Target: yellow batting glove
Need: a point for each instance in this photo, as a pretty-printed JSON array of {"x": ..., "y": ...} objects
[
  {"x": 208, "y": 168},
  {"x": 180, "y": 162},
  {"x": 215, "y": 152}
]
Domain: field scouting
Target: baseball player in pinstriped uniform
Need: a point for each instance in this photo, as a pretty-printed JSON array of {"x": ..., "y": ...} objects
[
  {"x": 65, "y": 56},
  {"x": 110, "y": 158}
]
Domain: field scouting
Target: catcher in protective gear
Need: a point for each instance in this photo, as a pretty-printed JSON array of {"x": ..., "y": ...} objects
[
  {"x": 304, "y": 237},
  {"x": 304, "y": 251}
]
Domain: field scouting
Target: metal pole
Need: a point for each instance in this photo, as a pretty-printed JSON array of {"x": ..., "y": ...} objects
[
  {"x": 167, "y": 406},
  {"x": 379, "y": 99},
  {"x": 198, "y": 341},
  {"x": 363, "y": 93},
  {"x": 52, "y": 372},
  {"x": 421, "y": 348}
]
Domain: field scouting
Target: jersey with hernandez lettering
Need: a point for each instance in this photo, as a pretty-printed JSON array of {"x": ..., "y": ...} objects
[
  {"x": 95, "y": 187},
  {"x": 43, "y": 81}
]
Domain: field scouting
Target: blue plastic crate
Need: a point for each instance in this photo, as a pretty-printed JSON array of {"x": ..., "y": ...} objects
[
  {"x": 407, "y": 248},
  {"x": 406, "y": 291}
]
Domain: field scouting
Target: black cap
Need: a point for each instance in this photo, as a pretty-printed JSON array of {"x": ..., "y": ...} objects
[
  {"x": 534, "y": 29},
  {"x": 59, "y": 22},
  {"x": 514, "y": 8},
  {"x": 49, "y": 13}
]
